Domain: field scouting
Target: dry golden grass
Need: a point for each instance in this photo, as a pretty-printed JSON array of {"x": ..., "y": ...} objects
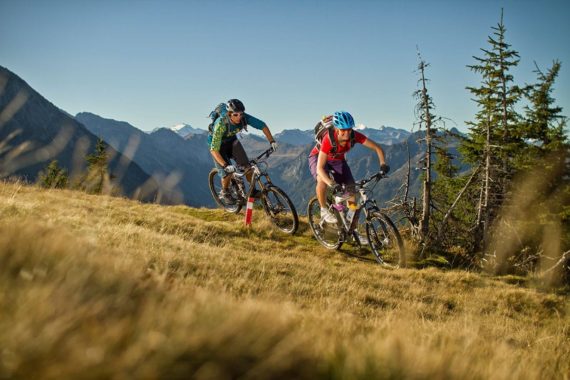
[{"x": 101, "y": 287}]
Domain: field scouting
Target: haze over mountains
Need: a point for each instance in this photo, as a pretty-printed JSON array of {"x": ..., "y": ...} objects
[
  {"x": 184, "y": 130},
  {"x": 33, "y": 132},
  {"x": 178, "y": 158},
  {"x": 384, "y": 135}
]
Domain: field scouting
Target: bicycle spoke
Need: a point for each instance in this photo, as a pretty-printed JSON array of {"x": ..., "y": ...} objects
[
  {"x": 215, "y": 184},
  {"x": 280, "y": 209},
  {"x": 328, "y": 234},
  {"x": 385, "y": 240}
]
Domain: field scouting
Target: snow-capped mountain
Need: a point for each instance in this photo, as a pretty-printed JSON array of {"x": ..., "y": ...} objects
[
  {"x": 383, "y": 135},
  {"x": 184, "y": 130}
]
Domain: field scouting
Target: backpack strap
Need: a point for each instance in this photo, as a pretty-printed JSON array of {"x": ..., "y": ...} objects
[
  {"x": 333, "y": 140},
  {"x": 213, "y": 123}
]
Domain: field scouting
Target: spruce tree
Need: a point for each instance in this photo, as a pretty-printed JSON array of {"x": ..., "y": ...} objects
[
  {"x": 544, "y": 124},
  {"x": 495, "y": 136},
  {"x": 97, "y": 178},
  {"x": 53, "y": 177},
  {"x": 548, "y": 148}
]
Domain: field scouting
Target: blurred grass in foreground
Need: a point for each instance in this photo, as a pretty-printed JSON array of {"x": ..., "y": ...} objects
[{"x": 102, "y": 287}]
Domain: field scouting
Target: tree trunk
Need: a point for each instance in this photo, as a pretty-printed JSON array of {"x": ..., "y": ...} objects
[{"x": 424, "y": 222}]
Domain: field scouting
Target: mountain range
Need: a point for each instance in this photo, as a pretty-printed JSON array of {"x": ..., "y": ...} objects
[
  {"x": 33, "y": 132},
  {"x": 178, "y": 159},
  {"x": 185, "y": 130},
  {"x": 384, "y": 135}
]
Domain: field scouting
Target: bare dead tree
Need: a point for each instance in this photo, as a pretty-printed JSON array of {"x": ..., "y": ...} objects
[{"x": 426, "y": 120}]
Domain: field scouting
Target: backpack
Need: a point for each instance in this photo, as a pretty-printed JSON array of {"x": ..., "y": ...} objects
[
  {"x": 221, "y": 110},
  {"x": 326, "y": 126}
]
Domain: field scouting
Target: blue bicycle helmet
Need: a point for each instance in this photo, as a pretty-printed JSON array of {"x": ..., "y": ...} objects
[{"x": 343, "y": 120}]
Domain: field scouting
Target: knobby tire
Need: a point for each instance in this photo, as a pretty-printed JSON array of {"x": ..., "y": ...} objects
[
  {"x": 331, "y": 236},
  {"x": 215, "y": 191},
  {"x": 385, "y": 240},
  {"x": 280, "y": 209}
]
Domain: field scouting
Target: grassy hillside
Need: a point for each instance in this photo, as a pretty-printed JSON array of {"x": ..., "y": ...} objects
[{"x": 100, "y": 287}]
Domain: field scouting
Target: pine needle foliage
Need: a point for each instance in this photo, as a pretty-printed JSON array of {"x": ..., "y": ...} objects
[
  {"x": 53, "y": 177},
  {"x": 495, "y": 136},
  {"x": 97, "y": 178}
]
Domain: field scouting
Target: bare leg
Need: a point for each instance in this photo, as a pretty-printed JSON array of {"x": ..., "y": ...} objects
[
  {"x": 226, "y": 182},
  {"x": 321, "y": 191}
]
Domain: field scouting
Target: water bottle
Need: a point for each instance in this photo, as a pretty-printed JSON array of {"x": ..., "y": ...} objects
[
  {"x": 350, "y": 213},
  {"x": 338, "y": 204}
]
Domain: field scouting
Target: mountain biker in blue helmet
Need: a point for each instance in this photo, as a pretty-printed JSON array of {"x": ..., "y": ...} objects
[
  {"x": 224, "y": 144},
  {"x": 343, "y": 120},
  {"x": 329, "y": 155}
]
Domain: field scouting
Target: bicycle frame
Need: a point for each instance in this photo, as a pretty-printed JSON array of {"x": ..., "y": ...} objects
[
  {"x": 363, "y": 203},
  {"x": 259, "y": 176}
]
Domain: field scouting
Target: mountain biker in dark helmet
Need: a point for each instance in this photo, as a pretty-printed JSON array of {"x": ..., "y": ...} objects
[
  {"x": 224, "y": 144},
  {"x": 331, "y": 156}
]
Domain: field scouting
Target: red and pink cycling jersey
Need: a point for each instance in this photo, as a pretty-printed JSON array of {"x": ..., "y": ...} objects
[{"x": 326, "y": 146}]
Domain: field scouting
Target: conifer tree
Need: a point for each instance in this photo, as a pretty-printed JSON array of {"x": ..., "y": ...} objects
[
  {"x": 53, "y": 177},
  {"x": 548, "y": 145},
  {"x": 495, "y": 136},
  {"x": 544, "y": 124},
  {"x": 97, "y": 178}
]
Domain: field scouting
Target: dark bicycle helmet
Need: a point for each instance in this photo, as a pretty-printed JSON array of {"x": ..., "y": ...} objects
[
  {"x": 235, "y": 105},
  {"x": 343, "y": 120}
]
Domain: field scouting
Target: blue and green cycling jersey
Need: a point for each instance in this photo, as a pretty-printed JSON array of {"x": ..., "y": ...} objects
[{"x": 224, "y": 130}]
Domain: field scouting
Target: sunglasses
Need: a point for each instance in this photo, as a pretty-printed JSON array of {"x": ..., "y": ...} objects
[{"x": 236, "y": 113}]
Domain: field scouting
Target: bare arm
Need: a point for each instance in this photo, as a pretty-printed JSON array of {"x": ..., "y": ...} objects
[
  {"x": 322, "y": 175},
  {"x": 268, "y": 134},
  {"x": 218, "y": 157},
  {"x": 375, "y": 147}
]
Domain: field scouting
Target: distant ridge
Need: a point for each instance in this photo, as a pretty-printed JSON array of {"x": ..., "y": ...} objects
[
  {"x": 383, "y": 135},
  {"x": 183, "y": 130},
  {"x": 50, "y": 133},
  {"x": 162, "y": 153}
]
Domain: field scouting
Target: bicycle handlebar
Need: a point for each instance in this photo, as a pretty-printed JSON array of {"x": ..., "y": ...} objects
[
  {"x": 267, "y": 153},
  {"x": 360, "y": 184},
  {"x": 255, "y": 161},
  {"x": 378, "y": 176}
]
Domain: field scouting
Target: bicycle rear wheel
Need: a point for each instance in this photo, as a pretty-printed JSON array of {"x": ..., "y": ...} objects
[
  {"x": 215, "y": 184},
  {"x": 280, "y": 209},
  {"x": 385, "y": 240},
  {"x": 331, "y": 236}
]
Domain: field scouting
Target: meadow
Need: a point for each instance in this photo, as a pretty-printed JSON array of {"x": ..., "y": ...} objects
[{"x": 95, "y": 287}]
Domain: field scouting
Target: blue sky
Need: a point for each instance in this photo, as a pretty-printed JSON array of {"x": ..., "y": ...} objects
[{"x": 159, "y": 63}]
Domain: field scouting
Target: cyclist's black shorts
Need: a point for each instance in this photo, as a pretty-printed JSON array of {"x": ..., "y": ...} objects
[{"x": 232, "y": 149}]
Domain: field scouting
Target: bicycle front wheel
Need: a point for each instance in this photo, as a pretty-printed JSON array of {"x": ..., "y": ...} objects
[
  {"x": 215, "y": 184},
  {"x": 280, "y": 209},
  {"x": 385, "y": 240},
  {"x": 330, "y": 235}
]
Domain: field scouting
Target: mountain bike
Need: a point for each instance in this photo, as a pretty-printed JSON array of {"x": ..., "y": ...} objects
[
  {"x": 382, "y": 235},
  {"x": 274, "y": 201}
]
